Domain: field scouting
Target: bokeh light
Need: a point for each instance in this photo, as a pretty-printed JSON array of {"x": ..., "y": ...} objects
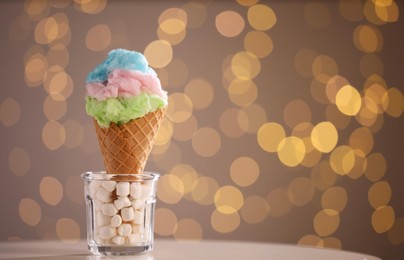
[
  {"x": 225, "y": 223},
  {"x": 300, "y": 191},
  {"x": 270, "y": 135},
  {"x": 51, "y": 190},
  {"x": 348, "y": 100},
  {"x": 165, "y": 222},
  {"x": 206, "y": 142},
  {"x": 53, "y": 135},
  {"x": 291, "y": 151},
  {"x": 335, "y": 198},
  {"x": 258, "y": 43},
  {"x": 201, "y": 92},
  {"x": 158, "y": 53},
  {"x": 324, "y": 136},
  {"x": 188, "y": 229},
  {"x": 229, "y": 199},
  {"x": 244, "y": 171},
  {"x": 261, "y": 17},
  {"x": 68, "y": 230},
  {"x": 19, "y": 161},
  {"x": 30, "y": 212},
  {"x": 383, "y": 219},
  {"x": 326, "y": 222},
  {"x": 379, "y": 194},
  {"x": 98, "y": 37},
  {"x": 255, "y": 209},
  {"x": 10, "y": 112},
  {"x": 229, "y": 23}
]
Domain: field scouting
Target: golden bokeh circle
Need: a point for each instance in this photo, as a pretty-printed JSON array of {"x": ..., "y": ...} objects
[
  {"x": 300, "y": 191},
  {"x": 159, "y": 53},
  {"x": 335, "y": 198},
  {"x": 244, "y": 171},
  {"x": 261, "y": 17},
  {"x": 68, "y": 230},
  {"x": 255, "y": 209},
  {"x": 383, "y": 219},
  {"x": 188, "y": 229},
  {"x": 326, "y": 222},
  {"x": 229, "y": 23},
  {"x": 324, "y": 136},
  {"x": 51, "y": 190},
  {"x": 206, "y": 142},
  {"x": 98, "y": 38},
  {"x": 224, "y": 223},
  {"x": 165, "y": 222},
  {"x": 53, "y": 135},
  {"x": 258, "y": 43},
  {"x": 30, "y": 212},
  {"x": 291, "y": 151},
  {"x": 270, "y": 135},
  {"x": 379, "y": 194},
  {"x": 228, "y": 200},
  {"x": 342, "y": 159}
]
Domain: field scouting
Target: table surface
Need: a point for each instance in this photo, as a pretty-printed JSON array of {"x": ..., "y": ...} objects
[{"x": 170, "y": 249}]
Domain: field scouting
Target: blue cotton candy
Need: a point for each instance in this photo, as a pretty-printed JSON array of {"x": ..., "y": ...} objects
[{"x": 119, "y": 59}]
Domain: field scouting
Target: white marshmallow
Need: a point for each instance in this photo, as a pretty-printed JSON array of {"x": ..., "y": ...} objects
[
  {"x": 102, "y": 220},
  {"x": 107, "y": 232},
  {"x": 138, "y": 218},
  {"x": 109, "y": 185},
  {"x": 103, "y": 195},
  {"x": 137, "y": 204},
  {"x": 125, "y": 230},
  {"x": 122, "y": 202},
  {"x": 98, "y": 204},
  {"x": 118, "y": 240},
  {"x": 135, "y": 190},
  {"x": 109, "y": 209},
  {"x": 122, "y": 188},
  {"x": 137, "y": 229},
  {"x": 134, "y": 238},
  {"x": 116, "y": 221},
  {"x": 146, "y": 192},
  {"x": 127, "y": 214},
  {"x": 93, "y": 187}
]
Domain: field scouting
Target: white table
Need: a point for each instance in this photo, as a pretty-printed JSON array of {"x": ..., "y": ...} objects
[{"x": 170, "y": 249}]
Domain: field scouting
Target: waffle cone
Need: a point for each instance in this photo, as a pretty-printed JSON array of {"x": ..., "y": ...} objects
[{"x": 126, "y": 147}]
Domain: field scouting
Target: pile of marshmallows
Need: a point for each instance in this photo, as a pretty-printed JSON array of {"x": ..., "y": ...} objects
[{"x": 119, "y": 211}]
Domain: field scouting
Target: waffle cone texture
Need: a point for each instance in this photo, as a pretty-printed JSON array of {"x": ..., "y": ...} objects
[{"x": 126, "y": 147}]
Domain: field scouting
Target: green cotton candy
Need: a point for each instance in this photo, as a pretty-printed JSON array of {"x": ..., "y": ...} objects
[{"x": 122, "y": 110}]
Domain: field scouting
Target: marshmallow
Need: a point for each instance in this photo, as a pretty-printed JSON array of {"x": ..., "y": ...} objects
[
  {"x": 146, "y": 192},
  {"x": 97, "y": 204},
  {"x": 109, "y": 185},
  {"x": 134, "y": 238},
  {"x": 109, "y": 209},
  {"x": 122, "y": 188},
  {"x": 118, "y": 240},
  {"x": 103, "y": 195},
  {"x": 116, "y": 221},
  {"x": 138, "y": 217},
  {"x": 107, "y": 232},
  {"x": 137, "y": 229},
  {"x": 127, "y": 214},
  {"x": 102, "y": 220},
  {"x": 93, "y": 187},
  {"x": 122, "y": 202},
  {"x": 137, "y": 204},
  {"x": 135, "y": 190},
  {"x": 125, "y": 230}
]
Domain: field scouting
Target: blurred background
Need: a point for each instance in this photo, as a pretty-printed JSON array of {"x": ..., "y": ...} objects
[{"x": 284, "y": 125}]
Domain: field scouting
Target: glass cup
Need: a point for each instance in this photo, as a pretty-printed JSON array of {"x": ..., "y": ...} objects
[{"x": 120, "y": 212}]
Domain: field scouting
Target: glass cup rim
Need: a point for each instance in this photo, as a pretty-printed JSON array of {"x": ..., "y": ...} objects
[{"x": 103, "y": 175}]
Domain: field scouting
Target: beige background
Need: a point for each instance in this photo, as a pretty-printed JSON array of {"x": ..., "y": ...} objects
[{"x": 226, "y": 174}]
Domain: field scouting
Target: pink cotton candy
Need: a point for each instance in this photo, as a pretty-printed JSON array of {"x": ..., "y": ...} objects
[
  {"x": 126, "y": 83},
  {"x": 101, "y": 92}
]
